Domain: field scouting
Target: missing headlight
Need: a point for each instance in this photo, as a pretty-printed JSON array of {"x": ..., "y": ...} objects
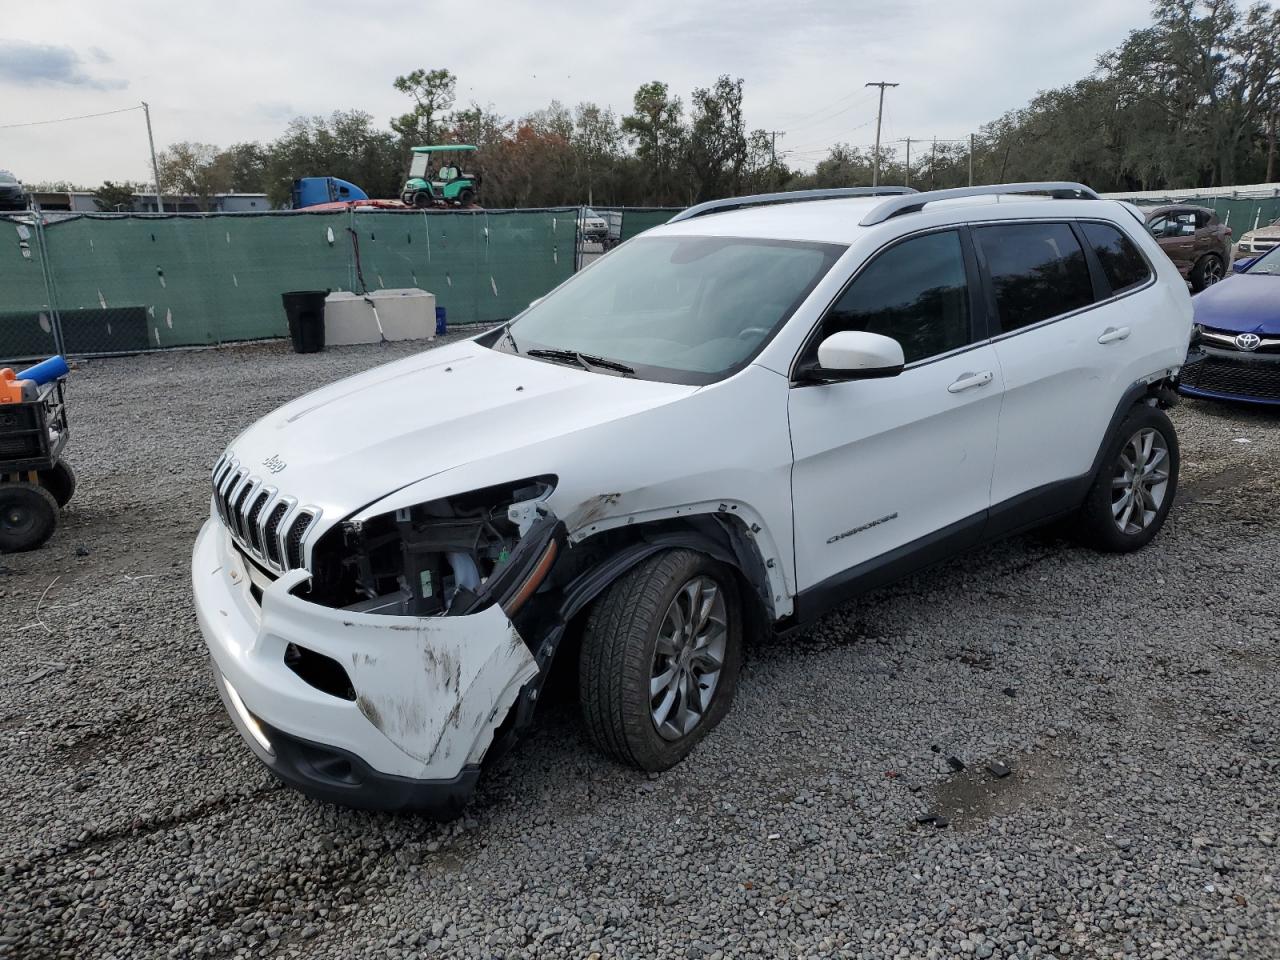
[{"x": 428, "y": 559}]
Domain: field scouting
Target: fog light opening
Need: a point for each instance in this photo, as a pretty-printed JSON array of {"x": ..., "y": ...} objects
[{"x": 247, "y": 718}]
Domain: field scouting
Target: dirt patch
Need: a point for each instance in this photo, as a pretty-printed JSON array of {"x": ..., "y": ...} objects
[{"x": 973, "y": 796}]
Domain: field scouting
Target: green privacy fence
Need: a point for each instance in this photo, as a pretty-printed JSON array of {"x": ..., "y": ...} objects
[
  {"x": 636, "y": 220},
  {"x": 123, "y": 283}
]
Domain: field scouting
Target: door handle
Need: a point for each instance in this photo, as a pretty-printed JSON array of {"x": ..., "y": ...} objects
[
  {"x": 969, "y": 380},
  {"x": 1112, "y": 334}
]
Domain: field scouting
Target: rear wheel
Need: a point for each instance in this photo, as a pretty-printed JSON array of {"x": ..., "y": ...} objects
[
  {"x": 660, "y": 658},
  {"x": 1207, "y": 272},
  {"x": 466, "y": 198},
  {"x": 1134, "y": 489},
  {"x": 59, "y": 480},
  {"x": 28, "y": 516}
]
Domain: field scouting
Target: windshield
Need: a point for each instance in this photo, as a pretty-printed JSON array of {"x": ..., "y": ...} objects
[
  {"x": 418, "y": 168},
  {"x": 1268, "y": 264},
  {"x": 7, "y": 177},
  {"x": 682, "y": 309}
]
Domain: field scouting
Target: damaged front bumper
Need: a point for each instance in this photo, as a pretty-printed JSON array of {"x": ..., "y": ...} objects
[{"x": 418, "y": 708}]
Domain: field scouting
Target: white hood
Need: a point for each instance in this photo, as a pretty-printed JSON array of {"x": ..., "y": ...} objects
[{"x": 357, "y": 440}]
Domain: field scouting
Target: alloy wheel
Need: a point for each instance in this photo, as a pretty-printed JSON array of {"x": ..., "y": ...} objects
[
  {"x": 1212, "y": 271},
  {"x": 688, "y": 658},
  {"x": 1140, "y": 482}
]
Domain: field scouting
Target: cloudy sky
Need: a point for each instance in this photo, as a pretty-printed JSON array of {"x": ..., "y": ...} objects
[{"x": 237, "y": 70}]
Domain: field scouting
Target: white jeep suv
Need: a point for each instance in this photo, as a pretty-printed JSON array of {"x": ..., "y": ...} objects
[{"x": 731, "y": 423}]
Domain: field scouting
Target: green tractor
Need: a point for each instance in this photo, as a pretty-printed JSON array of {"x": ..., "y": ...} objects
[{"x": 445, "y": 185}]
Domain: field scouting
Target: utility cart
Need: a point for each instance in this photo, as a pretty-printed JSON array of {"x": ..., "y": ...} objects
[{"x": 35, "y": 482}]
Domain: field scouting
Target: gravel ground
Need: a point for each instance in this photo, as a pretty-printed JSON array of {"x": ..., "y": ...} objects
[{"x": 1133, "y": 698}]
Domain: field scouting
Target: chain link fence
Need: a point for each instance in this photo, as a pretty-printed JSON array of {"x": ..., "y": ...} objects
[{"x": 100, "y": 284}]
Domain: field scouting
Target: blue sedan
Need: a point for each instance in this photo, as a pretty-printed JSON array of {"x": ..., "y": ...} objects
[{"x": 1235, "y": 349}]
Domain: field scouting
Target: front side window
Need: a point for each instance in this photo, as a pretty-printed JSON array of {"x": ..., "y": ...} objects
[
  {"x": 1037, "y": 271},
  {"x": 683, "y": 309},
  {"x": 1123, "y": 265},
  {"x": 915, "y": 292}
]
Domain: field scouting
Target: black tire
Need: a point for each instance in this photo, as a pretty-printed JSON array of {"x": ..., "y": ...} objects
[
  {"x": 1207, "y": 271},
  {"x": 1099, "y": 523},
  {"x": 466, "y": 198},
  {"x": 422, "y": 199},
  {"x": 620, "y": 650},
  {"x": 28, "y": 516},
  {"x": 59, "y": 481}
]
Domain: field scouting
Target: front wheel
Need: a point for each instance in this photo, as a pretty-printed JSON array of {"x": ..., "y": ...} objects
[
  {"x": 1135, "y": 486},
  {"x": 28, "y": 516},
  {"x": 660, "y": 658}
]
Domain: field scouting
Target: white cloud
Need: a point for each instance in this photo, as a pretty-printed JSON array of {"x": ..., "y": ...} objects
[
  {"x": 237, "y": 70},
  {"x": 27, "y": 64}
]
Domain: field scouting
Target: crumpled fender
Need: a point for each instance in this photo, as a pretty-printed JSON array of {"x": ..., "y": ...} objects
[
  {"x": 430, "y": 690},
  {"x": 436, "y": 687}
]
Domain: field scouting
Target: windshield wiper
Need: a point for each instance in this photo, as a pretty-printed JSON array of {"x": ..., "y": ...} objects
[
  {"x": 584, "y": 360},
  {"x": 607, "y": 363},
  {"x": 559, "y": 356}
]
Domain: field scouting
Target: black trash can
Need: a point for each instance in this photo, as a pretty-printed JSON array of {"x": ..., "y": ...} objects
[{"x": 305, "y": 310}]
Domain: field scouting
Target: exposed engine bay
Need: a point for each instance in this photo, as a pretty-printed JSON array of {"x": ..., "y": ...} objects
[{"x": 432, "y": 559}]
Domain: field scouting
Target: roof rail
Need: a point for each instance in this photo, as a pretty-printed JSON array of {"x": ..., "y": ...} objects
[
  {"x": 1059, "y": 190},
  {"x": 793, "y": 196}
]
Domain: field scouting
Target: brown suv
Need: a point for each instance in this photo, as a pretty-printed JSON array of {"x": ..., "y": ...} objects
[{"x": 1195, "y": 240}]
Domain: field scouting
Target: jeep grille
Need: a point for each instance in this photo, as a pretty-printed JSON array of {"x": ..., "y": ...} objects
[{"x": 267, "y": 524}]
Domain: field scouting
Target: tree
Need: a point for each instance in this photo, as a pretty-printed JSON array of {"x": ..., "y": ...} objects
[
  {"x": 717, "y": 140},
  {"x": 657, "y": 130},
  {"x": 763, "y": 172},
  {"x": 597, "y": 148},
  {"x": 246, "y": 165},
  {"x": 111, "y": 196},
  {"x": 433, "y": 96},
  {"x": 344, "y": 144},
  {"x": 1183, "y": 102},
  {"x": 193, "y": 169}
]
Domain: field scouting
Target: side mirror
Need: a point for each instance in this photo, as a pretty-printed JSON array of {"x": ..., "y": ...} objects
[
  {"x": 855, "y": 355},
  {"x": 1240, "y": 266}
]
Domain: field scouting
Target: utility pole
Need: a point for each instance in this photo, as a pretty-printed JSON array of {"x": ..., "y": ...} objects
[
  {"x": 773, "y": 150},
  {"x": 907, "y": 183},
  {"x": 875, "y": 162},
  {"x": 971, "y": 139},
  {"x": 155, "y": 168},
  {"x": 1271, "y": 150},
  {"x": 933, "y": 164}
]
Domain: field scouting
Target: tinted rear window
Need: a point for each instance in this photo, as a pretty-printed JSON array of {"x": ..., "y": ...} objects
[
  {"x": 1120, "y": 259},
  {"x": 1038, "y": 271}
]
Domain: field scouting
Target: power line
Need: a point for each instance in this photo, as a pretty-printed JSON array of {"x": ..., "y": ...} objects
[
  {"x": 810, "y": 124},
  {"x": 802, "y": 120},
  {"x": 823, "y": 145},
  {"x": 87, "y": 116}
]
